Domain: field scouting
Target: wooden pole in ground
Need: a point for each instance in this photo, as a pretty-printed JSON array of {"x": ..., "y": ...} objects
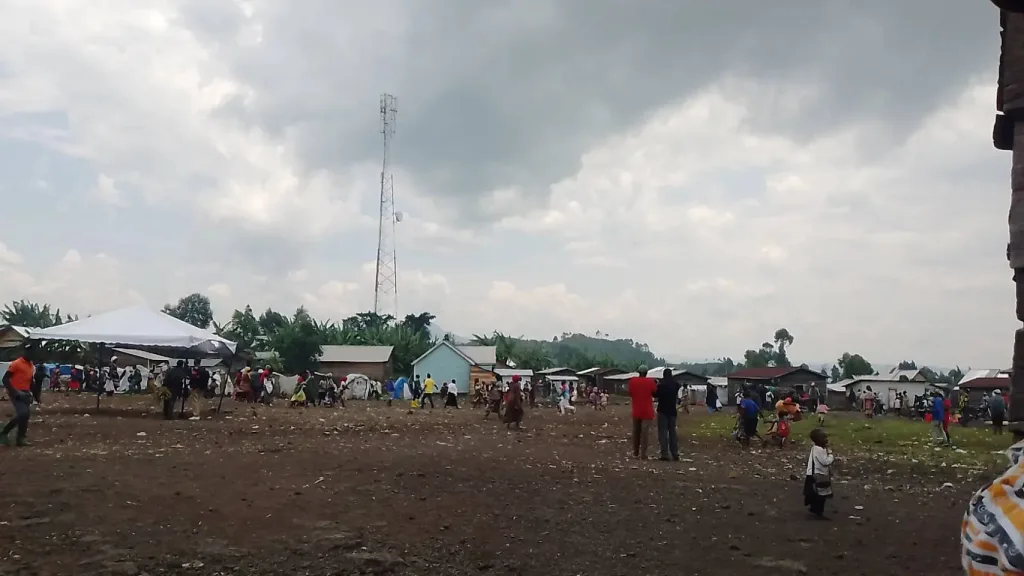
[{"x": 1008, "y": 134}]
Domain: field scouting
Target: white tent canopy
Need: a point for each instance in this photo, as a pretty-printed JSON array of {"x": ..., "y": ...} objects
[{"x": 135, "y": 326}]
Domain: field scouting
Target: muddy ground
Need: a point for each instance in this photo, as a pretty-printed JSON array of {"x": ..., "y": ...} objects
[{"x": 377, "y": 490}]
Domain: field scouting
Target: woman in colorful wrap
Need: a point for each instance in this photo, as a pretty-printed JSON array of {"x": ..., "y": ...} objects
[
  {"x": 514, "y": 404},
  {"x": 867, "y": 401},
  {"x": 992, "y": 532},
  {"x": 299, "y": 396}
]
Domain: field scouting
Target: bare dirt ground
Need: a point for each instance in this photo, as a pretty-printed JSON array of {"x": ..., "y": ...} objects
[{"x": 377, "y": 490}]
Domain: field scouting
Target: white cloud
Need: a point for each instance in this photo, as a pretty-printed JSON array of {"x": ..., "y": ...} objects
[
  {"x": 219, "y": 289},
  {"x": 298, "y": 276},
  {"x": 8, "y": 256},
  {"x": 106, "y": 191},
  {"x": 75, "y": 284},
  {"x": 699, "y": 230},
  {"x": 148, "y": 116}
]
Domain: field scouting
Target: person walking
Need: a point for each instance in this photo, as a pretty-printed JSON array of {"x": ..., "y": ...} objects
[
  {"x": 668, "y": 439},
  {"x": 452, "y": 397},
  {"x": 428, "y": 392},
  {"x": 641, "y": 392},
  {"x": 997, "y": 410},
  {"x": 514, "y": 404},
  {"x": 938, "y": 415},
  {"x": 17, "y": 382},
  {"x": 174, "y": 385},
  {"x": 818, "y": 480},
  {"x": 198, "y": 383},
  {"x": 711, "y": 399}
]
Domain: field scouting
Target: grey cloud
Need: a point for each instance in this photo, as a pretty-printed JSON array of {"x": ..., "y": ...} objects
[{"x": 496, "y": 94}]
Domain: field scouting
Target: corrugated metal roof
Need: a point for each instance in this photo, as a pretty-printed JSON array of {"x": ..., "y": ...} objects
[
  {"x": 980, "y": 373},
  {"x": 449, "y": 345},
  {"x": 760, "y": 373},
  {"x": 625, "y": 376},
  {"x": 485, "y": 355},
  {"x": 998, "y": 382},
  {"x": 554, "y": 370},
  {"x": 364, "y": 354},
  {"x": 142, "y": 354},
  {"x": 589, "y": 371},
  {"x": 508, "y": 372},
  {"x": 769, "y": 372}
]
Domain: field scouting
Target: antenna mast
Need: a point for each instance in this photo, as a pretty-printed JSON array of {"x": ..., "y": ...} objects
[{"x": 385, "y": 290}]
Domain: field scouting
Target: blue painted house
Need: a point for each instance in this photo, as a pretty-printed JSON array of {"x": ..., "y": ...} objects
[{"x": 446, "y": 361}]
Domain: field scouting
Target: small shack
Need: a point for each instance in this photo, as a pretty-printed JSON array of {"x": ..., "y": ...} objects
[
  {"x": 887, "y": 386},
  {"x": 506, "y": 374},
  {"x": 798, "y": 378},
  {"x": 375, "y": 362},
  {"x": 463, "y": 364},
  {"x": 596, "y": 376},
  {"x": 977, "y": 388},
  {"x": 10, "y": 338}
]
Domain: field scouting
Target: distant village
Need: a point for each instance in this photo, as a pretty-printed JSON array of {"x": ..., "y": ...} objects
[{"x": 466, "y": 364}]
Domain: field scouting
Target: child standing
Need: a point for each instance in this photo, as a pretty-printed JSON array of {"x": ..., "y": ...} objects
[
  {"x": 604, "y": 400},
  {"x": 818, "y": 481}
]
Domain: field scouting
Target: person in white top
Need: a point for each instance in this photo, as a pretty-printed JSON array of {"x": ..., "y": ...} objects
[{"x": 818, "y": 481}]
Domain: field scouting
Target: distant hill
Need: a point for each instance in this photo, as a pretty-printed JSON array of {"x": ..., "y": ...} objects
[{"x": 579, "y": 352}]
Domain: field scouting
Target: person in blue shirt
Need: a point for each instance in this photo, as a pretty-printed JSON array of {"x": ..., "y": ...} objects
[
  {"x": 748, "y": 415},
  {"x": 938, "y": 414}
]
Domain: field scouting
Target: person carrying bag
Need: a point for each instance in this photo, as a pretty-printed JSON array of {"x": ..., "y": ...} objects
[{"x": 818, "y": 481}]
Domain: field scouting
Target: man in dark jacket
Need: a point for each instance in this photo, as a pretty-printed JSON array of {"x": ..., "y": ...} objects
[
  {"x": 174, "y": 382},
  {"x": 668, "y": 394},
  {"x": 38, "y": 377}
]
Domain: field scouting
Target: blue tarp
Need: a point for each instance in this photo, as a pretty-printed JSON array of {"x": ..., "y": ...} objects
[{"x": 399, "y": 388}]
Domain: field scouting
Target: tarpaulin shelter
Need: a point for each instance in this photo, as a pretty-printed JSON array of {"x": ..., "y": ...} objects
[{"x": 138, "y": 327}]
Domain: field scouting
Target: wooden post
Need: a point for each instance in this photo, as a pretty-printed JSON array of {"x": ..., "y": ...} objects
[{"x": 1008, "y": 134}]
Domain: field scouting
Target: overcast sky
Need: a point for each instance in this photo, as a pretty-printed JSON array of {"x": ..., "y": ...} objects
[{"x": 686, "y": 173}]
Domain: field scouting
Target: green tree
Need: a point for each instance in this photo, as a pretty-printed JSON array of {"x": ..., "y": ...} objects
[
  {"x": 836, "y": 375},
  {"x": 272, "y": 321},
  {"x": 530, "y": 356},
  {"x": 298, "y": 343},
  {"x": 907, "y": 365},
  {"x": 783, "y": 340},
  {"x": 367, "y": 321},
  {"x": 955, "y": 376},
  {"x": 244, "y": 329},
  {"x": 33, "y": 315},
  {"x": 761, "y": 358},
  {"x": 853, "y": 365},
  {"x": 194, "y": 309},
  {"x": 418, "y": 322}
]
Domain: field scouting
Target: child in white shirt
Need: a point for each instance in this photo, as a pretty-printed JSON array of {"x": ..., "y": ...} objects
[{"x": 818, "y": 482}]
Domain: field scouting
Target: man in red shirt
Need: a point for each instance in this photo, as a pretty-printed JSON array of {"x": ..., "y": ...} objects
[
  {"x": 17, "y": 382},
  {"x": 641, "y": 392}
]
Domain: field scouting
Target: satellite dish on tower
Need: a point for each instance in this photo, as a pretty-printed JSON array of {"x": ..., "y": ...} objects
[{"x": 399, "y": 216}]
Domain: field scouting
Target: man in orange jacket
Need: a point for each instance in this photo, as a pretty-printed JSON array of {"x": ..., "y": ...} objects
[{"x": 18, "y": 384}]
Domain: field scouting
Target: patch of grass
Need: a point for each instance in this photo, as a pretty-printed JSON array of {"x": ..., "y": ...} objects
[{"x": 887, "y": 438}]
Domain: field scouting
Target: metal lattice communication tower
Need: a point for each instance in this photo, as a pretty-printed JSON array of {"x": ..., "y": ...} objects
[{"x": 385, "y": 290}]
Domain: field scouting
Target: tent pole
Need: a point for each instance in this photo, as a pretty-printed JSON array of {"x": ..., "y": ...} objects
[
  {"x": 101, "y": 359},
  {"x": 227, "y": 378}
]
